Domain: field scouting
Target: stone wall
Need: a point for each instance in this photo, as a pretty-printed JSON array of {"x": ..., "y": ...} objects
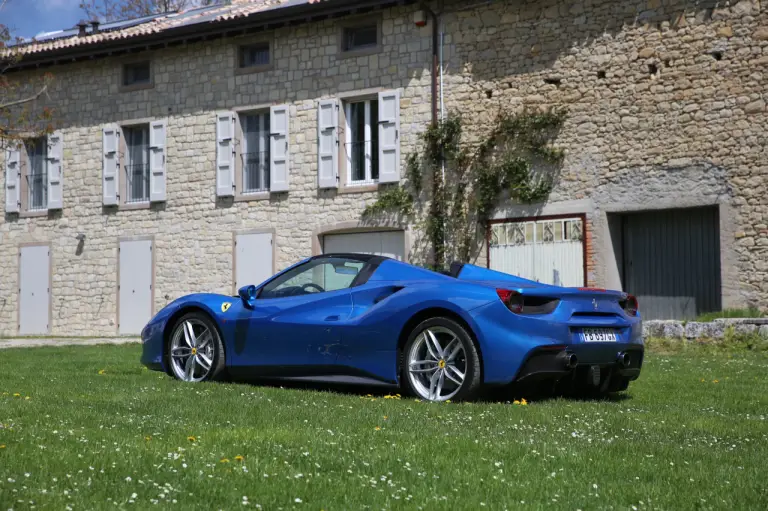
[
  {"x": 693, "y": 330},
  {"x": 193, "y": 230},
  {"x": 666, "y": 101}
]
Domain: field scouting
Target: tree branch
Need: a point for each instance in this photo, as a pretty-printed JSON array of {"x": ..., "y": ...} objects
[{"x": 25, "y": 100}]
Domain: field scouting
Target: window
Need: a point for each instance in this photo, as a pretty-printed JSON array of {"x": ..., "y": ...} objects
[
  {"x": 252, "y": 153},
  {"x": 137, "y": 163},
  {"x": 358, "y": 141},
  {"x": 33, "y": 174},
  {"x": 255, "y": 152},
  {"x": 316, "y": 276},
  {"x": 137, "y": 73},
  {"x": 254, "y": 55},
  {"x": 361, "y": 146},
  {"x": 37, "y": 175},
  {"x": 360, "y": 37},
  {"x": 133, "y": 163}
]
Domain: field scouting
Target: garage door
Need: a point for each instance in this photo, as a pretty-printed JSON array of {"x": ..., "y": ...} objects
[
  {"x": 34, "y": 289},
  {"x": 547, "y": 251},
  {"x": 135, "y": 286},
  {"x": 671, "y": 261},
  {"x": 253, "y": 258},
  {"x": 384, "y": 243}
]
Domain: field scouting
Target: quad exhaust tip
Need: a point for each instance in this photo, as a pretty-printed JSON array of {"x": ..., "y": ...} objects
[{"x": 623, "y": 359}]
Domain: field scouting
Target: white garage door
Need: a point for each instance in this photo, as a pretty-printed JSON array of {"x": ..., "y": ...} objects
[
  {"x": 384, "y": 243},
  {"x": 34, "y": 289},
  {"x": 253, "y": 258},
  {"x": 135, "y": 286},
  {"x": 548, "y": 251}
]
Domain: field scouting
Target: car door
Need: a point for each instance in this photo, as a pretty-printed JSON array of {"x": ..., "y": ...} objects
[{"x": 294, "y": 325}]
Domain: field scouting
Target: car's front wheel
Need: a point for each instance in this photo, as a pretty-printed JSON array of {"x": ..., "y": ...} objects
[
  {"x": 441, "y": 361},
  {"x": 195, "y": 351}
]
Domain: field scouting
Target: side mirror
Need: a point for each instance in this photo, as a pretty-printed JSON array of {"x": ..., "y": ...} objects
[{"x": 248, "y": 295}]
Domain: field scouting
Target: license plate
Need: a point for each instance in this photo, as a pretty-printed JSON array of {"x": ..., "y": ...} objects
[{"x": 598, "y": 335}]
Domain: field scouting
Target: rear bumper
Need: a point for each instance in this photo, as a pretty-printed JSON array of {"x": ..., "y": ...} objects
[{"x": 624, "y": 359}]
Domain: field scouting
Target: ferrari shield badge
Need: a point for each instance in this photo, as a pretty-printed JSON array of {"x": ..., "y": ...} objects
[{"x": 225, "y": 306}]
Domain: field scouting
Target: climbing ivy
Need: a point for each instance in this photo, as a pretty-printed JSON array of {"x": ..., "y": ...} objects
[{"x": 467, "y": 178}]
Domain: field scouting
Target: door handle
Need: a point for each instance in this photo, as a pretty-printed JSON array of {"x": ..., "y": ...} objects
[{"x": 332, "y": 318}]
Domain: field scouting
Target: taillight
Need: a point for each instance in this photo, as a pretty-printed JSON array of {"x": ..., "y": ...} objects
[
  {"x": 630, "y": 305},
  {"x": 512, "y": 299}
]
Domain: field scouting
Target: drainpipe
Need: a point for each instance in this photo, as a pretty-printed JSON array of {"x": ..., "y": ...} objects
[{"x": 435, "y": 58}]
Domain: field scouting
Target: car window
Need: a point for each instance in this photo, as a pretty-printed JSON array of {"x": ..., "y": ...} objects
[{"x": 318, "y": 276}]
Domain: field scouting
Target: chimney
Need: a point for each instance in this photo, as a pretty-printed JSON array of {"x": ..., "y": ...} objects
[
  {"x": 82, "y": 26},
  {"x": 95, "y": 26}
]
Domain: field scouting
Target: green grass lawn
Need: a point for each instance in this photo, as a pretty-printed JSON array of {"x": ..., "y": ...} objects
[{"x": 692, "y": 433}]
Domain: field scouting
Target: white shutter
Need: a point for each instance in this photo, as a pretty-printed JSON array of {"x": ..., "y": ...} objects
[
  {"x": 12, "y": 178},
  {"x": 225, "y": 156},
  {"x": 278, "y": 148},
  {"x": 389, "y": 136},
  {"x": 157, "y": 138},
  {"x": 328, "y": 143},
  {"x": 53, "y": 163},
  {"x": 111, "y": 164}
]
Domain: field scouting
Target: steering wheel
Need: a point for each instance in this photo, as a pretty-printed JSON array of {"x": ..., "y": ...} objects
[{"x": 312, "y": 285}]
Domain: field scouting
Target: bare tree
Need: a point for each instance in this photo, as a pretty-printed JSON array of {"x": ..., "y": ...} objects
[
  {"x": 110, "y": 10},
  {"x": 21, "y": 112}
]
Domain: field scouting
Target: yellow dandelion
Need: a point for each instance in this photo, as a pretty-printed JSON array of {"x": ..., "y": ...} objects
[
  {"x": 369, "y": 395},
  {"x": 417, "y": 400},
  {"x": 715, "y": 381},
  {"x": 515, "y": 402},
  {"x": 523, "y": 402},
  {"x": 239, "y": 458},
  {"x": 224, "y": 460},
  {"x": 385, "y": 417},
  {"x": 377, "y": 428},
  {"x": 2, "y": 446},
  {"x": 147, "y": 438},
  {"x": 702, "y": 380},
  {"x": 192, "y": 439},
  {"x": 102, "y": 371},
  {"x": 16, "y": 394},
  {"x": 447, "y": 400}
]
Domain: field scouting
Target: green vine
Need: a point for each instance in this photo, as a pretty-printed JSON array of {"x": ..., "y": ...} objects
[
  {"x": 467, "y": 179},
  {"x": 396, "y": 198}
]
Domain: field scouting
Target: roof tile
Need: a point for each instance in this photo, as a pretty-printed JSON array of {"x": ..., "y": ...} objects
[{"x": 238, "y": 9}]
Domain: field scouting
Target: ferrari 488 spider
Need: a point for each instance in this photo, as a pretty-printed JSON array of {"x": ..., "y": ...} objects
[{"x": 362, "y": 318}]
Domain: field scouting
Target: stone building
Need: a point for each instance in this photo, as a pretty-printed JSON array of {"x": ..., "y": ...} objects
[{"x": 202, "y": 150}]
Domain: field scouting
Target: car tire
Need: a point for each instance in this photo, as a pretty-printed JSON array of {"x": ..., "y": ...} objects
[
  {"x": 449, "y": 370},
  {"x": 203, "y": 345}
]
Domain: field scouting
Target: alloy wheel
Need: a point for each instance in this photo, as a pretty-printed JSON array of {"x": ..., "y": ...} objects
[
  {"x": 192, "y": 351},
  {"x": 437, "y": 364}
]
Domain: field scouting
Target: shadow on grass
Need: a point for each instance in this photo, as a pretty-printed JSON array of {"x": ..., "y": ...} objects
[{"x": 503, "y": 394}]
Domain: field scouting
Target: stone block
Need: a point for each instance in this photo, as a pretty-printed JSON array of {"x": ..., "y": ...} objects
[{"x": 695, "y": 330}]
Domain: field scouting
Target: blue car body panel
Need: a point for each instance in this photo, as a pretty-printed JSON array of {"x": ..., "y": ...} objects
[{"x": 359, "y": 330}]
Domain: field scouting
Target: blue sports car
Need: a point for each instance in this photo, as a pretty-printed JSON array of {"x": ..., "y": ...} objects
[{"x": 366, "y": 318}]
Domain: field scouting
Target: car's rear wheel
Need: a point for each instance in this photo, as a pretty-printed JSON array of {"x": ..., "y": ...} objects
[
  {"x": 195, "y": 351},
  {"x": 441, "y": 361}
]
